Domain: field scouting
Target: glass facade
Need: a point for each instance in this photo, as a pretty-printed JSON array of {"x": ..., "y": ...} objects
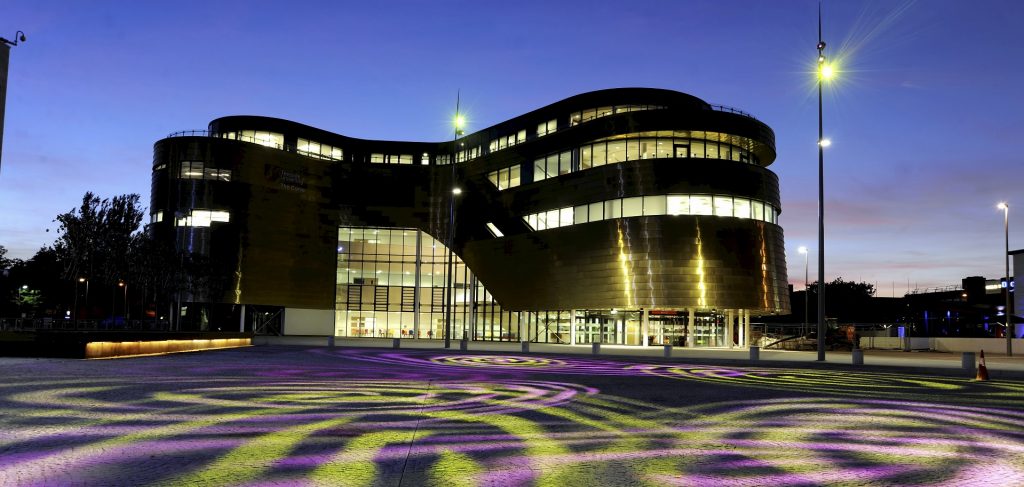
[
  {"x": 673, "y": 204},
  {"x": 393, "y": 283}
]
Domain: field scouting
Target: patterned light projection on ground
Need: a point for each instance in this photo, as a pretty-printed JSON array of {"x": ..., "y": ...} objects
[{"x": 203, "y": 420}]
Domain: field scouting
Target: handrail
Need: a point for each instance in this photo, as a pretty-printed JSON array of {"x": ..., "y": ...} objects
[{"x": 728, "y": 109}]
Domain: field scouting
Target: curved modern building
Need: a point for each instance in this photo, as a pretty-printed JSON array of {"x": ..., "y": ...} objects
[{"x": 631, "y": 216}]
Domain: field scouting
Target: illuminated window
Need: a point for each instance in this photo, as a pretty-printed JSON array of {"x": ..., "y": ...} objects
[
  {"x": 547, "y": 127},
  {"x": 318, "y": 150},
  {"x": 197, "y": 170},
  {"x": 202, "y": 218},
  {"x": 673, "y": 204},
  {"x": 269, "y": 139},
  {"x": 494, "y": 230},
  {"x": 156, "y": 217},
  {"x": 425, "y": 159},
  {"x": 377, "y": 158}
]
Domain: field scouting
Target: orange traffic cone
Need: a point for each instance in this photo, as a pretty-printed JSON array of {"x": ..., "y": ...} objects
[{"x": 982, "y": 371}]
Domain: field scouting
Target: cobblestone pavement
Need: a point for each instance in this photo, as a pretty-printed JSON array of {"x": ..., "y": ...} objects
[{"x": 320, "y": 416}]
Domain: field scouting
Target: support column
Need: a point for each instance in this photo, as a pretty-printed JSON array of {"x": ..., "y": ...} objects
[
  {"x": 749, "y": 332},
  {"x": 241, "y": 320},
  {"x": 691, "y": 320},
  {"x": 728, "y": 328},
  {"x": 741, "y": 328},
  {"x": 572, "y": 328},
  {"x": 416, "y": 284},
  {"x": 643, "y": 326}
]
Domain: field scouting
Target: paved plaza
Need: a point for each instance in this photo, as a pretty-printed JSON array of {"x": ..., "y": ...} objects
[{"x": 291, "y": 415}]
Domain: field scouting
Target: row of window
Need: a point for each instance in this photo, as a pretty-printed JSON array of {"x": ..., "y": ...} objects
[
  {"x": 673, "y": 204},
  {"x": 615, "y": 151},
  {"x": 198, "y": 170},
  {"x": 268, "y": 139},
  {"x": 505, "y": 178},
  {"x": 592, "y": 113},
  {"x": 391, "y": 158},
  {"x": 320, "y": 151},
  {"x": 508, "y": 141},
  {"x": 201, "y": 218}
]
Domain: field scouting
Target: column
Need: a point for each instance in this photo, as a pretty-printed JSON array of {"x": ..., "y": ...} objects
[
  {"x": 643, "y": 326},
  {"x": 241, "y": 319},
  {"x": 416, "y": 284},
  {"x": 746, "y": 315},
  {"x": 572, "y": 329},
  {"x": 742, "y": 328},
  {"x": 691, "y": 320},
  {"x": 728, "y": 328}
]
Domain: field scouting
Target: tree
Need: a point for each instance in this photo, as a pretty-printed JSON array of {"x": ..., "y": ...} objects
[
  {"x": 847, "y": 301},
  {"x": 95, "y": 239}
]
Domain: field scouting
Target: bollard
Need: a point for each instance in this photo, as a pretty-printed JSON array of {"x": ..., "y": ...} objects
[
  {"x": 668, "y": 351},
  {"x": 330, "y": 341},
  {"x": 967, "y": 361},
  {"x": 396, "y": 343},
  {"x": 595, "y": 348},
  {"x": 525, "y": 346},
  {"x": 463, "y": 345},
  {"x": 755, "y": 354},
  {"x": 858, "y": 356}
]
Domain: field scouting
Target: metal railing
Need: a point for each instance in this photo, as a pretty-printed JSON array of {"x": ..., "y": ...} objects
[
  {"x": 31, "y": 324},
  {"x": 728, "y": 109}
]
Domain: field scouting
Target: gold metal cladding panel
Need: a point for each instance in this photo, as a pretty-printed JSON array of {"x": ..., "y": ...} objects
[{"x": 643, "y": 262}]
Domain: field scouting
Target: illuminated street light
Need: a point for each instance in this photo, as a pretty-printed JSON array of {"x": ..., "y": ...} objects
[
  {"x": 825, "y": 142},
  {"x": 1007, "y": 311},
  {"x": 459, "y": 123},
  {"x": 825, "y": 72}
]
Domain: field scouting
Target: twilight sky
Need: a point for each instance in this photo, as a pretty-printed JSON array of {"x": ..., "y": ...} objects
[{"x": 921, "y": 120}]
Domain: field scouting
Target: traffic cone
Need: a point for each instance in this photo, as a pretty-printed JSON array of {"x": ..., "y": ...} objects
[{"x": 982, "y": 371}]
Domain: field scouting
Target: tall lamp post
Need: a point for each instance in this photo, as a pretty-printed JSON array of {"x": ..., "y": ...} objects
[
  {"x": 807, "y": 293},
  {"x": 124, "y": 286},
  {"x": 825, "y": 72},
  {"x": 459, "y": 123},
  {"x": 1006, "y": 311},
  {"x": 5, "y": 55}
]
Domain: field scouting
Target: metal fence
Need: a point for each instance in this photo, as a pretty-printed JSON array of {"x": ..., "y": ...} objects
[{"x": 31, "y": 324}]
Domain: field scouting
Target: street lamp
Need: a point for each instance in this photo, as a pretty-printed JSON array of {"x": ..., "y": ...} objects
[
  {"x": 5, "y": 54},
  {"x": 1009, "y": 315},
  {"x": 825, "y": 72},
  {"x": 807, "y": 294},
  {"x": 459, "y": 123},
  {"x": 86, "y": 281},
  {"x": 124, "y": 286}
]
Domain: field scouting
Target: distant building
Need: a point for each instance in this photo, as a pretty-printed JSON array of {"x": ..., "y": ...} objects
[{"x": 627, "y": 216}]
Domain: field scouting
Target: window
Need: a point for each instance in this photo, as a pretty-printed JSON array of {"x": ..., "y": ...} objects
[
  {"x": 425, "y": 159},
  {"x": 156, "y": 217},
  {"x": 632, "y": 207},
  {"x": 202, "y": 218},
  {"x": 547, "y": 127},
  {"x": 673, "y": 204},
  {"x": 654, "y": 205},
  {"x": 377, "y": 158},
  {"x": 513, "y": 177},
  {"x": 197, "y": 170},
  {"x": 320, "y": 151},
  {"x": 494, "y": 230},
  {"x": 616, "y": 152},
  {"x": 741, "y": 208},
  {"x": 701, "y": 205},
  {"x": 269, "y": 139},
  {"x": 723, "y": 206}
]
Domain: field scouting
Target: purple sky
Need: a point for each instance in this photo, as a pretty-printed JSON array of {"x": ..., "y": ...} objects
[{"x": 922, "y": 121}]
